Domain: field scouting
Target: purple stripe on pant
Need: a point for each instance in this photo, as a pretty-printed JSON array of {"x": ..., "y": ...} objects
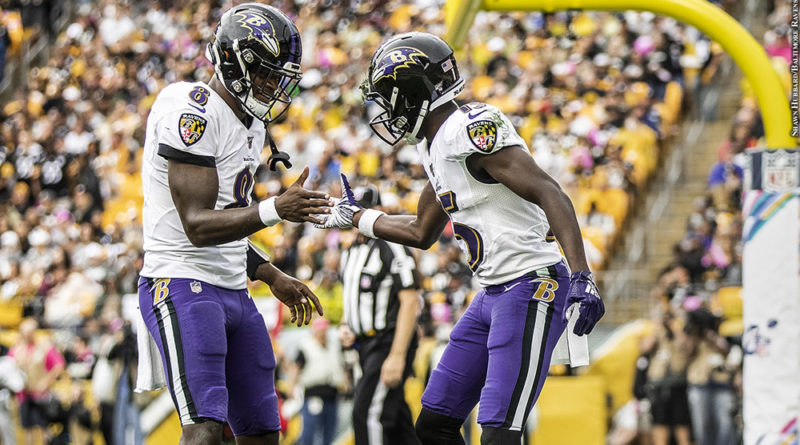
[{"x": 499, "y": 351}]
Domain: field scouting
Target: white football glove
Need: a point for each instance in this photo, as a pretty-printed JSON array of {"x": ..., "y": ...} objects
[{"x": 341, "y": 216}]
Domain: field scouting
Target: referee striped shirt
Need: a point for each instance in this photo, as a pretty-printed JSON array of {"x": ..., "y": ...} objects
[{"x": 373, "y": 272}]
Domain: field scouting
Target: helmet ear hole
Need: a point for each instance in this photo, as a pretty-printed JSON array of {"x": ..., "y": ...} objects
[{"x": 248, "y": 56}]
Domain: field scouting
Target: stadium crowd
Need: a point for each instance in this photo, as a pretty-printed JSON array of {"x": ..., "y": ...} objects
[
  {"x": 596, "y": 95},
  {"x": 689, "y": 374}
]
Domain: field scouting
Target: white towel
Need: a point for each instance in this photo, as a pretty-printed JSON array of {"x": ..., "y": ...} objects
[
  {"x": 150, "y": 372},
  {"x": 571, "y": 349}
]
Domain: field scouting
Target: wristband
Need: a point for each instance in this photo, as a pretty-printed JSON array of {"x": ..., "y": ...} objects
[
  {"x": 268, "y": 213},
  {"x": 367, "y": 222}
]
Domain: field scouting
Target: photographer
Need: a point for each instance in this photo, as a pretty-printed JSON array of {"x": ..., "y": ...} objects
[
  {"x": 666, "y": 378},
  {"x": 710, "y": 377}
]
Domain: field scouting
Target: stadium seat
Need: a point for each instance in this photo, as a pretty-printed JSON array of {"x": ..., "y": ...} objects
[
  {"x": 728, "y": 301},
  {"x": 614, "y": 202},
  {"x": 10, "y": 312}
]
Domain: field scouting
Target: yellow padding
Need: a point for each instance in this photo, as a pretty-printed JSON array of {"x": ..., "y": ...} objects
[
  {"x": 169, "y": 431},
  {"x": 615, "y": 361},
  {"x": 563, "y": 401}
]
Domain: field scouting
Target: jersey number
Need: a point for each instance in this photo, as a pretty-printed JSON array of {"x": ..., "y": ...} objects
[
  {"x": 464, "y": 232},
  {"x": 241, "y": 189},
  {"x": 474, "y": 243},
  {"x": 199, "y": 95}
]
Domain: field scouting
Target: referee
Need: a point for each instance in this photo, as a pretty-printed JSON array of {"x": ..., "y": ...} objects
[{"x": 381, "y": 303}]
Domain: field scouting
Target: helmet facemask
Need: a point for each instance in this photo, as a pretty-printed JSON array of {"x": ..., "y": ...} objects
[
  {"x": 264, "y": 89},
  {"x": 410, "y": 75},
  {"x": 398, "y": 120}
]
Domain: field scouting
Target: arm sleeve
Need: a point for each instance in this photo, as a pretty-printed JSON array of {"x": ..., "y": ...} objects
[
  {"x": 186, "y": 132},
  {"x": 255, "y": 258}
]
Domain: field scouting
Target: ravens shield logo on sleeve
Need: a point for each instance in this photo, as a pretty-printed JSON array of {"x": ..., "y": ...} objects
[
  {"x": 483, "y": 134},
  {"x": 191, "y": 128}
]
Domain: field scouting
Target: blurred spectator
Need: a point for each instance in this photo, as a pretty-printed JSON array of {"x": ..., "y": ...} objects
[
  {"x": 12, "y": 381},
  {"x": 666, "y": 381},
  {"x": 321, "y": 376},
  {"x": 5, "y": 42},
  {"x": 710, "y": 377},
  {"x": 111, "y": 379},
  {"x": 79, "y": 418},
  {"x": 42, "y": 363}
]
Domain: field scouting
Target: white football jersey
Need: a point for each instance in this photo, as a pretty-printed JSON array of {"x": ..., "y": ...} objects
[
  {"x": 190, "y": 122},
  {"x": 503, "y": 235}
]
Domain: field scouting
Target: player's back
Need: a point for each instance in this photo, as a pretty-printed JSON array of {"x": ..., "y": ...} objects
[
  {"x": 189, "y": 122},
  {"x": 503, "y": 234}
]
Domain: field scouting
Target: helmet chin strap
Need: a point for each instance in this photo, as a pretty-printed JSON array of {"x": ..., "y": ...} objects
[
  {"x": 243, "y": 88},
  {"x": 412, "y": 137},
  {"x": 255, "y": 107}
]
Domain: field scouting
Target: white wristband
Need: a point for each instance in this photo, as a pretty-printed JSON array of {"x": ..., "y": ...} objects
[
  {"x": 367, "y": 222},
  {"x": 268, "y": 213}
]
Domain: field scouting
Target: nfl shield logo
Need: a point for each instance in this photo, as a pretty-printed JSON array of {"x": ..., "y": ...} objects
[
  {"x": 191, "y": 128},
  {"x": 780, "y": 170},
  {"x": 366, "y": 282},
  {"x": 196, "y": 287}
]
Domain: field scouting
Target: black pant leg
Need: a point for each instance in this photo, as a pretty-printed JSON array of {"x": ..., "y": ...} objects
[{"x": 381, "y": 415}]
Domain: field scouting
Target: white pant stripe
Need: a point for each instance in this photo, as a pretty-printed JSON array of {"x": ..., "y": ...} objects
[
  {"x": 539, "y": 336},
  {"x": 173, "y": 362},
  {"x": 374, "y": 427}
]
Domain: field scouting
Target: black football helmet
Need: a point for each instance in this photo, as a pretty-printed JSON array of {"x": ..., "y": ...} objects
[
  {"x": 410, "y": 75},
  {"x": 256, "y": 53}
]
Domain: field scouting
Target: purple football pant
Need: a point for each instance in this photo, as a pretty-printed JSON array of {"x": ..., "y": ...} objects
[
  {"x": 499, "y": 351},
  {"x": 216, "y": 353}
]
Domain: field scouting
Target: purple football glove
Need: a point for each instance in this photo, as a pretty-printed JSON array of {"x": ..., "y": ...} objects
[
  {"x": 341, "y": 216},
  {"x": 347, "y": 192},
  {"x": 583, "y": 290}
]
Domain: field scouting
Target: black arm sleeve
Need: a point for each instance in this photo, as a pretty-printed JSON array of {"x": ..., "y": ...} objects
[{"x": 255, "y": 258}]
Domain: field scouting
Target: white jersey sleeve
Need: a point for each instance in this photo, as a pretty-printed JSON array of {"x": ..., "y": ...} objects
[
  {"x": 185, "y": 129},
  {"x": 484, "y": 130}
]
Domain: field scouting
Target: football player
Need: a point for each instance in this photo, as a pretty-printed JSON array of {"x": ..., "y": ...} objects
[
  {"x": 202, "y": 147},
  {"x": 507, "y": 214}
]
